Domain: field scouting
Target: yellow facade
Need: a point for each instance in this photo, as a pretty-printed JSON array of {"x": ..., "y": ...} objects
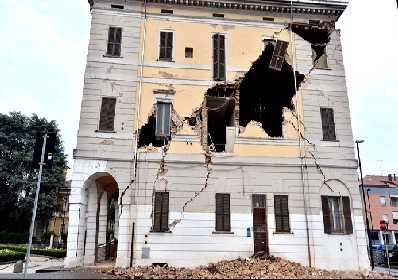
[{"x": 190, "y": 78}]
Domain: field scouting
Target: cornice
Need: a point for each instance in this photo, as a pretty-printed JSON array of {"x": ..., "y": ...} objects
[{"x": 316, "y": 7}]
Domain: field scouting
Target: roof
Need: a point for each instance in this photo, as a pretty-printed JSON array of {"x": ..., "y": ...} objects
[
  {"x": 380, "y": 181},
  {"x": 325, "y": 7}
]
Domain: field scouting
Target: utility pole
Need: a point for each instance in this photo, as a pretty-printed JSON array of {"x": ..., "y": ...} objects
[
  {"x": 32, "y": 225},
  {"x": 364, "y": 204}
]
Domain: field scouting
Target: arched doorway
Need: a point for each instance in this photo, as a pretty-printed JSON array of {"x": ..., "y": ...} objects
[{"x": 100, "y": 241}]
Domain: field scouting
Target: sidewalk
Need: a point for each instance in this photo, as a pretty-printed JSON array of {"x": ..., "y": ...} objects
[{"x": 37, "y": 263}]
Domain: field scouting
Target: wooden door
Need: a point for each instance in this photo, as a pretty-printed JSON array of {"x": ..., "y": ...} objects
[{"x": 260, "y": 229}]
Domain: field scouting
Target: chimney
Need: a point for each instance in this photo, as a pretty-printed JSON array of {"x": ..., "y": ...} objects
[{"x": 389, "y": 177}]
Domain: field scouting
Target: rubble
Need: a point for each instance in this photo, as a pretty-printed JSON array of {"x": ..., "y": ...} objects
[{"x": 240, "y": 269}]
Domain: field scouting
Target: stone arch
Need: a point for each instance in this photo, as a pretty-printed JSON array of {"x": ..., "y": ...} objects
[
  {"x": 334, "y": 187},
  {"x": 101, "y": 193}
]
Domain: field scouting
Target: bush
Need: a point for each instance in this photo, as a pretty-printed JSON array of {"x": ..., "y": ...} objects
[
  {"x": 7, "y": 255},
  {"x": 13, "y": 237},
  {"x": 54, "y": 253}
]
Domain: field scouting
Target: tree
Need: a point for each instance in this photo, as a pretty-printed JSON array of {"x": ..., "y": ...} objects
[{"x": 18, "y": 174}]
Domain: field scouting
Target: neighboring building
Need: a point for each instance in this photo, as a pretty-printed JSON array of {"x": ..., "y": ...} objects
[
  {"x": 59, "y": 222},
  {"x": 381, "y": 203},
  {"x": 198, "y": 141}
]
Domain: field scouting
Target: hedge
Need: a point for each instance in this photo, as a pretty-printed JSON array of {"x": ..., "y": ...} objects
[
  {"x": 7, "y": 255},
  {"x": 13, "y": 237},
  {"x": 55, "y": 253}
]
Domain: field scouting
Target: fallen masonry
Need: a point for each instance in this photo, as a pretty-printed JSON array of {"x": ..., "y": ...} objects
[{"x": 269, "y": 268}]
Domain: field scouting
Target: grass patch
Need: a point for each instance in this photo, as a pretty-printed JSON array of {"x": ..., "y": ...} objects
[{"x": 54, "y": 253}]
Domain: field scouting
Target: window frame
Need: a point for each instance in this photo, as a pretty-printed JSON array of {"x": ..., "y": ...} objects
[
  {"x": 163, "y": 225},
  {"x": 380, "y": 200},
  {"x": 324, "y": 56},
  {"x": 172, "y": 46},
  {"x": 224, "y": 227},
  {"x": 282, "y": 215},
  {"x": 344, "y": 204},
  {"x": 100, "y": 119},
  {"x": 325, "y": 136},
  {"x": 161, "y": 136},
  {"x": 107, "y": 54},
  {"x": 225, "y": 56}
]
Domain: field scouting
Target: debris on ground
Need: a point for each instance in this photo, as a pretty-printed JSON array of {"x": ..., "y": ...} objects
[{"x": 240, "y": 269}]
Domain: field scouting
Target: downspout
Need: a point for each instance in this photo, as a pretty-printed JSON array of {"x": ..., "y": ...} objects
[{"x": 299, "y": 138}]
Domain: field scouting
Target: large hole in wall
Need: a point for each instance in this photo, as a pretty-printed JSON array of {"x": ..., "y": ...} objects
[
  {"x": 264, "y": 92},
  {"x": 147, "y": 134}
]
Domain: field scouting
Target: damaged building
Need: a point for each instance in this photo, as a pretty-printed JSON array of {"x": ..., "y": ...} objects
[{"x": 213, "y": 130}]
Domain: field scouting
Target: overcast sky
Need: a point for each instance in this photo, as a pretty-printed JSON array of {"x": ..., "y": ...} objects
[{"x": 44, "y": 48}]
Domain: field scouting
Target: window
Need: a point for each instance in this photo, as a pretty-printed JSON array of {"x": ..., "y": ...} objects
[
  {"x": 278, "y": 56},
  {"x": 188, "y": 52},
  {"x": 336, "y": 214},
  {"x": 166, "y": 11},
  {"x": 223, "y": 215},
  {"x": 120, "y": 7},
  {"x": 218, "y": 57},
  {"x": 328, "y": 127},
  {"x": 268, "y": 19},
  {"x": 218, "y": 15},
  {"x": 395, "y": 218},
  {"x": 107, "y": 114},
  {"x": 162, "y": 129},
  {"x": 161, "y": 212},
  {"x": 166, "y": 46},
  {"x": 382, "y": 200},
  {"x": 258, "y": 201},
  {"x": 394, "y": 201},
  {"x": 319, "y": 57},
  {"x": 281, "y": 213},
  {"x": 114, "y": 41}
]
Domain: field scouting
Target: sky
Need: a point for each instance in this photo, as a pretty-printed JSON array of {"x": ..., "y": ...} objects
[{"x": 44, "y": 48}]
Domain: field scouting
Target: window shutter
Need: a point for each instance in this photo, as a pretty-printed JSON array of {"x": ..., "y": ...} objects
[
  {"x": 163, "y": 119},
  {"x": 165, "y": 212},
  {"x": 162, "y": 49},
  {"x": 326, "y": 215},
  {"x": 107, "y": 114},
  {"x": 328, "y": 127},
  {"x": 157, "y": 215},
  {"x": 114, "y": 41},
  {"x": 215, "y": 57},
  {"x": 227, "y": 213},
  {"x": 219, "y": 212},
  {"x": 278, "y": 56},
  {"x": 166, "y": 46},
  {"x": 347, "y": 215},
  {"x": 218, "y": 57},
  {"x": 281, "y": 207},
  {"x": 169, "y": 45}
]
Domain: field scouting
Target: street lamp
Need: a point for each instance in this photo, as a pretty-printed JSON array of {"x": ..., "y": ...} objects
[{"x": 364, "y": 203}]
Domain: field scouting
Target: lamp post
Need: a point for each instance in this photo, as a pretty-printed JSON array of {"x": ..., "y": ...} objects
[{"x": 357, "y": 142}]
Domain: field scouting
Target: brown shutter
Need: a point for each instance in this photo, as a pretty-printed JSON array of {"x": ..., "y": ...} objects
[
  {"x": 281, "y": 207},
  {"x": 347, "y": 215},
  {"x": 114, "y": 41},
  {"x": 165, "y": 212},
  {"x": 326, "y": 215},
  {"x": 157, "y": 213},
  {"x": 218, "y": 57},
  {"x": 278, "y": 56},
  {"x": 219, "y": 212},
  {"x": 162, "y": 48},
  {"x": 169, "y": 46},
  {"x": 107, "y": 114},
  {"x": 215, "y": 57},
  {"x": 328, "y": 126},
  {"x": 227, "y": 213}
]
